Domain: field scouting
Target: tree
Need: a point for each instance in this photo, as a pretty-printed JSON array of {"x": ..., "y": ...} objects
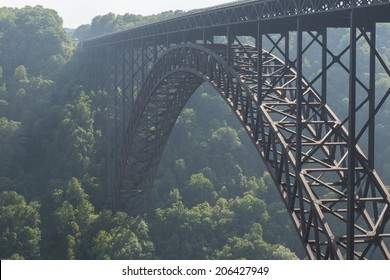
[
  {"x": 74, "y": 139},
  {"x": 199, "y": 189},
  {"x": 248, "y": 210},
  {"x": 252, "y": 247},
  {"x": 73, "y": 219},
  {"x": 12, "y": 152},
  {"x": 182, "y": 233},
  {"x": 20, "y": 234},
  {"x": 34, "y": 37},
  {"x": 120, "y": 237}
]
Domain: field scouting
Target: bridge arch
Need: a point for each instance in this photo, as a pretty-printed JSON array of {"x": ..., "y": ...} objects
[
  {"x": 301, "y": 141},
  {"x": 171, "y": 82}
]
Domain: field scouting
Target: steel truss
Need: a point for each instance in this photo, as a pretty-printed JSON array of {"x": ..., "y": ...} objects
[{"x": 322, "y": 166}]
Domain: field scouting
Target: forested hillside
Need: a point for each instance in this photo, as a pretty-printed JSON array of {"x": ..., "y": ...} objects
[{"x": 212, "y": 198}]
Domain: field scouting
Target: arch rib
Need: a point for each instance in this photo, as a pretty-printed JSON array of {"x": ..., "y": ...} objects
[{"x": 316, "y": 197}]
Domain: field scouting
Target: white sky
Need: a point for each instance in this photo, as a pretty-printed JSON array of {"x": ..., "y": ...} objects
[{"x": 78, "y": 12}]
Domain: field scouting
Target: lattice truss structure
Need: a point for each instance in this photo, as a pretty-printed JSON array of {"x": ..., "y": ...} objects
[{"x": 323, "y": 166}]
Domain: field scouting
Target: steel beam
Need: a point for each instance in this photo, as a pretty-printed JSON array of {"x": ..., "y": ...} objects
[{"x": 351, "y": 141}]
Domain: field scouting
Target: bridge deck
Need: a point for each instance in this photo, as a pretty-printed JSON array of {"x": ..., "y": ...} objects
[{"x": 242, "y": 12}]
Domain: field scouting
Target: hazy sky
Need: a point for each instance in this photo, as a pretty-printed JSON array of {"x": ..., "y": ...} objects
[{"x": 77, "y": 12}]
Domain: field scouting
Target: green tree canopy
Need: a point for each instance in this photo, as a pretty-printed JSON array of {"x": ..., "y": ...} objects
[
  {"x": 34, "y": 37},
  {"x": 20, "y": 234}
]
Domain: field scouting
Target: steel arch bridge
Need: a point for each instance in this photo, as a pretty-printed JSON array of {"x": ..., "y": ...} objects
[{"x": 253, "y": 53}]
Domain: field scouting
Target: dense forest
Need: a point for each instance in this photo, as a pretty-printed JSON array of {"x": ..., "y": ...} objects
[{"x": 212, "y": 198}]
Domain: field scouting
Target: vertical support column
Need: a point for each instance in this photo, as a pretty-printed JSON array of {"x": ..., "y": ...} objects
[
  {"x": 229, "y": 87},
  {"x": 167, "y": 41},
  {"x": 229, "y": 46},
  {"x": 124, "y": 89},
  {"x": 204, "y": 37},
  {"x": 324, "y": 65},
  {"x": 115, "y": 138},
  {"x": 96, "y": 63},
  {"x": 155, "y": 54},
  {"x": 286, "y": 36},
  {"x": 131, "y": 74},
  {"x": 287, "y": 59},
  {"x": 351, "y": 140},
  {"x": 107, "y": 87},
  {"x": 259, "y": 45},
  {"x": 259, "y": 118},
  {"x": 103, "y": 70},
  {"x": 371, "y": 96},
  {"x": 143, "y": 60},
  {"x": 299, "y": 99}
]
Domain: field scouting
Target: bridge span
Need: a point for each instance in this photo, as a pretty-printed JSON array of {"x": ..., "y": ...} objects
[{"x": 253, "y": 53}]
